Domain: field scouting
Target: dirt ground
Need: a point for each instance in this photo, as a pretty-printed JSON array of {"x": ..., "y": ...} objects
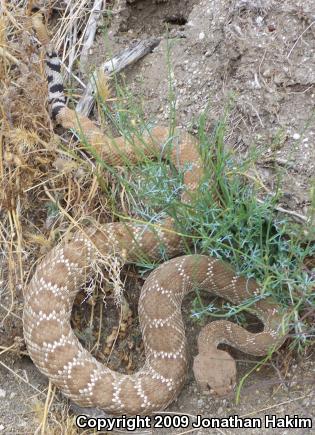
[{"x": 263, "y": 53}]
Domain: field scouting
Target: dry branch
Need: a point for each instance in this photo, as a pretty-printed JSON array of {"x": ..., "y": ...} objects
[
  {"x": 95, "y": 15},
  {"x": 113, "y": 66}
]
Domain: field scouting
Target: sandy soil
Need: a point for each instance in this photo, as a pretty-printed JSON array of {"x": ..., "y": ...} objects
[{"x": 261, "y": 52}]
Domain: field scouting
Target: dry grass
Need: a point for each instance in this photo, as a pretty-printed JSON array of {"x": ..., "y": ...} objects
[{"x": 45, "y": 190}]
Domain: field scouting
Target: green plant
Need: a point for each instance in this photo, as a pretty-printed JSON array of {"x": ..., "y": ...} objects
[{"x": 225, "y": 219}]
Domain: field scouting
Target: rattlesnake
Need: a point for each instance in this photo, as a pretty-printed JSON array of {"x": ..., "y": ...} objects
[{"x": 49, "y": 296}]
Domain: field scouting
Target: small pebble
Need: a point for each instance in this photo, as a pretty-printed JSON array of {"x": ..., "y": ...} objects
[{"x": 259, "y": 20}]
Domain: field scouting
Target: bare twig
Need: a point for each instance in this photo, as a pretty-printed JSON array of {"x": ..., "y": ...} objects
[
  {"x": 299, "y": 217},
  {"x": 113, "y": 66},
  {"x": 293, "y": 46},
  {"x": 89, "y": 35},
  {"x": 26, "y": 381},
  {"x": 256, "y": 411}
]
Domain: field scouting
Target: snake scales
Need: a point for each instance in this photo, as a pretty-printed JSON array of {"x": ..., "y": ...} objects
[{"x": 49, "y": 296}]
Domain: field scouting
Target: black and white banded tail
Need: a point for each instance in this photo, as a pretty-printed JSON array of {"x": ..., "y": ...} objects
[{"x": 56, "y": 96}]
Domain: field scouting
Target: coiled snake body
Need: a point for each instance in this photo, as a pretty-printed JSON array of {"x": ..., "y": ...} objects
[{"x": 49, "y": 296}]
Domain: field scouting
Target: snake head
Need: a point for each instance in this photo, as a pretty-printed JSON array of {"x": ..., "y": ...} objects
[{"x": 215, "y": 371}]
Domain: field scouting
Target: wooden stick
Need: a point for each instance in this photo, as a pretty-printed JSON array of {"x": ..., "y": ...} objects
[
  {"x": 296, "y": 216},
  {"x": 88, "y": 39},
  {"x": 113, "y": 66}
]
